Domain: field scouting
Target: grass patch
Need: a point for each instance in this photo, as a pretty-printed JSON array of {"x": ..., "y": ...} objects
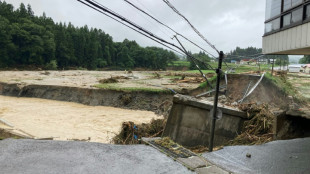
[
  {"x": 131, "y": 89},
  {"x": 212, "y": 80},
  {"x": 179, "y": 63},
  {"x": 282, "y": 83},
  {"x": 285, "y": 86},
  {"x": 204, "y": 71}
]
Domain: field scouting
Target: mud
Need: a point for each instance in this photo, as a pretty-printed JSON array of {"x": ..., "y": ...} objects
[
  {"x": 150, "y": 101},
  {"x": 66, "y": 120}
]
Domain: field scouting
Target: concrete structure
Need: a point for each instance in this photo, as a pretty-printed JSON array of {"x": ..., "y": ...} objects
[
  {"x": 287, "y": 27},
  {"x": 189, "y": 122},
  {"x": 294, "y": 68}
]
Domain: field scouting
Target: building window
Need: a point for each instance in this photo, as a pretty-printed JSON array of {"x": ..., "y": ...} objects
[
  {"x": 285, "y": 13},
  {"x": 272, "y": 25},
  {"x": 273, "y": 8},
  {"x": 296, "y": 2},
  {"x": 287, "y": 20},
  {"x": 287, "y": 4},
  {"x": 308, "y": 11},
  {"x": 297, "y": 15}
]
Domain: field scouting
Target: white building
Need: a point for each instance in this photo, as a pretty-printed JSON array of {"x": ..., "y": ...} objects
[
  {"x": 287, "y": 27},
  {"x": 294, "y": 68}
]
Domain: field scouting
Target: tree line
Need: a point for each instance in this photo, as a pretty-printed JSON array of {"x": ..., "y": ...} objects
[
  {"x": 279, "y": 59},
  {"x": 30, "y": 40},
  {"x": 305, "y": 60}
]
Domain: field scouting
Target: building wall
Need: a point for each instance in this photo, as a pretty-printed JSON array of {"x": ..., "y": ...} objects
[
  {"x": 287, "y": 27},
  {"x": 295, "y": 40}
]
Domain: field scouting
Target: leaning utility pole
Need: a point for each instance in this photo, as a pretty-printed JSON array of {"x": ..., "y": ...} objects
[{"x": 214, "y": 110}]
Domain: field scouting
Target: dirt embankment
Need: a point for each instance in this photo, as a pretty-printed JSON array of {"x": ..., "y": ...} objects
[
  {"x": 266, "y": 92},
  {"x": 150, "y": 101}
]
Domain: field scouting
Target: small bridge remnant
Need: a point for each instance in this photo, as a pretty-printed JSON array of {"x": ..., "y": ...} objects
[{"x": 189, "y": 122}]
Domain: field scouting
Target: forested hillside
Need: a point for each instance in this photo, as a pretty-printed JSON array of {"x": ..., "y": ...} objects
[{"x": 27, "y": 40}]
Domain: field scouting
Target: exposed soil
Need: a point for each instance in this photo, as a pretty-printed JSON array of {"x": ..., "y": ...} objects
[
  {"x": 87, "y": 79},
  {"x": 266, "y": 92},
  {"x": 68, "y": 121},
  {"x": 156, "y": 102}
]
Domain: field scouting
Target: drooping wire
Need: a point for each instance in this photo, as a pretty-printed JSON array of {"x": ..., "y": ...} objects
[
  {"x": 132, "y": 28},
  {"x": 95, "y": 5},
  {"x": 165, "y": 25},
  {"x": 192, "y": 26},
  {"x": 194, "y": 62}
]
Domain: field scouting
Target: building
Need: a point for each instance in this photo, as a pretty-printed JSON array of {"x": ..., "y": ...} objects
[
  {"x": 234, "y": 61},
  {"x": 262, "y": 61},
  {"x": 294, "y": 68},
  {"x": 287, "y": 27},
  {"x": 306, "y": 68},
  {"x": 245, "y": 61}
]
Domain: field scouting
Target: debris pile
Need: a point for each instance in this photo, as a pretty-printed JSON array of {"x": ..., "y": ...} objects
[
  {"x": 258, "y": 129},
  {"x": 131, "y": 133},
  {"x": 113, "y": 79},
  {"x": 190, "y": 80},
  {"x": 109, "y": 80}
]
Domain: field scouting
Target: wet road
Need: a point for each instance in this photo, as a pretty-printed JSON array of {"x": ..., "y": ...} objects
[
  {"x": 31, "y": 157},
  {"x": 278, "y": 157}
]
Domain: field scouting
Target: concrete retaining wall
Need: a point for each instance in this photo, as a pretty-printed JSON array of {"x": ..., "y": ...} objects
[{"x": 189, "y": 122}]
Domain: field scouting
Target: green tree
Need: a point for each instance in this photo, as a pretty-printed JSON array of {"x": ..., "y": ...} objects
[{"x": 305, "y": 60}]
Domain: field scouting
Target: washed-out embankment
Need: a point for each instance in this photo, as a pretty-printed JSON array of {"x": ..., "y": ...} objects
[{"x": 143, "y": 100}]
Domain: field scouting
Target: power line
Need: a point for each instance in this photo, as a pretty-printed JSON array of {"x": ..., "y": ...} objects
[
  {"x": 176, "y": 11},
  {"x": 195, "y": 63},
  {"x": 244, "y": 56},
  {"x": 133, "y": 5},
  {"x": 95, "y": 5},
  {"x": 132, "y": 28}
]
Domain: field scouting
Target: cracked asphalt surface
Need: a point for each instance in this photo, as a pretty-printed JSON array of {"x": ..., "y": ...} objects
[
  {"x": 49, "y": 157},
  {"x": 277, "y": 157}
]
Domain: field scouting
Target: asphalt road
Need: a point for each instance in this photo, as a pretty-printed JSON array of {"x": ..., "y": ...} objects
[
  {"x": 49, "y": 157},
  {"x": 278, "y": 157}
]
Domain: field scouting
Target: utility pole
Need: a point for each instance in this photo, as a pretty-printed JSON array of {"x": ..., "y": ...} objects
[
  {"x": 272, "y": 67},
  {"x": 217, "y": 89}
]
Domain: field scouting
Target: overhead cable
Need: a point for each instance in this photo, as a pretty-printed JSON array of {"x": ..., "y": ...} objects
[
  {"x": 93, "y": 4},
  {"x": 176, "y": 11},
  {"x": 132, "y": 28},
  {"x": 165, "y": 25}
]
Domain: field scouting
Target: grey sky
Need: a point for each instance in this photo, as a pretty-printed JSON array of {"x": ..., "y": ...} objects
[{"x": 225, "y": 23}]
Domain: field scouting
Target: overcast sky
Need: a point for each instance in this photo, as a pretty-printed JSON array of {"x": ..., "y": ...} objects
[{"x": 225, "y": 23}]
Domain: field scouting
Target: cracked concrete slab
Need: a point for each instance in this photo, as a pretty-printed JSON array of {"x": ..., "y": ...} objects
[{"x": 36, "y": 156}]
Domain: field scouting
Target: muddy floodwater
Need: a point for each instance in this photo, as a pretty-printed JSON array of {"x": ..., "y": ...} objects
[{"x": 67, "y": 121}]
